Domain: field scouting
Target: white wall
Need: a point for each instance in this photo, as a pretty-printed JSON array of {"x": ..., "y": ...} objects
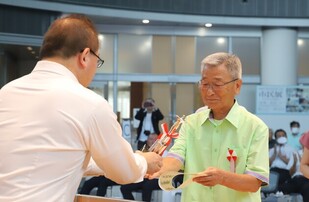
[{"x": 283, "y": 121}]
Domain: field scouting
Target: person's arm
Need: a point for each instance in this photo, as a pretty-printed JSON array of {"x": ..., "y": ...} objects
[
  {"x": 304, "y": 165},
  {"x": 239, "y": 182},
  {"x": 140, "y": 114},
  {"x": 112, "y": 153},
  {"x": 169, "y": 164},
  {"x": 293, "y": 168},
  {"x": 286, "y": 159},
  {"x": 159, "y": 114},
  {"x": 273, "y": 152}
]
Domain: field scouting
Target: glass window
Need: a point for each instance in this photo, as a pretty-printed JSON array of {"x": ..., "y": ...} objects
[
  {"x": 185, "y": 102},
  {"x": 134, "y": 55},
  {"x": 208, "y": 45},
  {"x": 248, "y": 50},
  {"x": 106, "y": 53},
  {"x": 162, "y": 55},
  {"x": 303, "y": 50},
  {"x": 184, "y": 55}
]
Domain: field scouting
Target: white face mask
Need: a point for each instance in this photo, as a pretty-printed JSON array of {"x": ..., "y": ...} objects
[
  {"x": 282, "y": 140},
  {"x": 295, "y": 130}
]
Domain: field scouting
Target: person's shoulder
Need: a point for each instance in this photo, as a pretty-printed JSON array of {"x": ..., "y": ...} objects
[
  {"x": 249, "y": 116},
  {"x": 199, "y": 114}
]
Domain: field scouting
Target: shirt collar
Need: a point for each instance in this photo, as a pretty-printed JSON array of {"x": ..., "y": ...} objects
[
  {"x": 53, "y": 67},
  {"x": 232, "y": 116}
]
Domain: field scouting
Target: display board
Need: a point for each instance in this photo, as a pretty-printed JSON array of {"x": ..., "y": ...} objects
[{"x": 282, "y": 100}]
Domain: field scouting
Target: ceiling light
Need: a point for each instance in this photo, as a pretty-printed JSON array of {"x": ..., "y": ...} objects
[
  {"x": 145, "y": 21},
  {"x": 220, "y": 40},
  {"x": 29, "y": 48},
  {"x": 300, "y": 42},
  {"x": 208, "y": 25},
  {"x": 100, "y": 37}
]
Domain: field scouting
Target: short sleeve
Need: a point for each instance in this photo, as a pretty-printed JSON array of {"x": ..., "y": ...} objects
[{"x": 304, "y": 140}]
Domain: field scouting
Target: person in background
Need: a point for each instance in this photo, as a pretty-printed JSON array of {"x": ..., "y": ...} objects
[
  {"x": 293, "y": 138},
  {"x": 101, "y": 182},
  {"x": 53, "y": 130},
  {"x": 149, "y": 116},
  {"x": 225, "y": 144},
  {"x": 298, "y": 182},
  {"x": 146, "y": 186},
  {"x": 281, "y": 157},
  {"x": 304, "y": 166},
  {"x": 271, "y": 140}
]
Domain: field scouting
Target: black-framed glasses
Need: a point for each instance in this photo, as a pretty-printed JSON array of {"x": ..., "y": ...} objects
[
  {"x": 100, "y": 61},
  {"x": 215, "y": 87}
]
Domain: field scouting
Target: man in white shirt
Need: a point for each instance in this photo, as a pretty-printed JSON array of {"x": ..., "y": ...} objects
[
  {"x": 53, "y": 130},
  {"x": 293, "y": 137},
  {"x": 281, "y": 157}
]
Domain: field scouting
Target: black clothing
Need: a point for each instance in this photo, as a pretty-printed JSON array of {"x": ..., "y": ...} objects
[
  {"x": 284, "y": 175},
  {"x": 298, "y": 184},
  {"x": 271, "y": 143},
  {"x": 156, "y": 116},
  {"x": 146, "y": 187},
  {"x": 100, "y": 181}
]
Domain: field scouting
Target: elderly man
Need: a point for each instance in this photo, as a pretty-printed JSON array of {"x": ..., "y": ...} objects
[{"x": 225, "y": 144}]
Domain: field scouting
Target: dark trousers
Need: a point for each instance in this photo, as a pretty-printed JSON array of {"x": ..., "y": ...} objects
[
  {"x": 146, "y": 186},
  {"x": 284, "y": 175},
  {"x": 101, "y": 182},
  {"x": 140, "y": 145},
  {"x": 298, "y": 184}
]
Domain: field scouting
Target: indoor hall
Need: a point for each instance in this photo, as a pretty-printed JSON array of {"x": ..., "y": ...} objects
[{"x": 162, "y": 59}]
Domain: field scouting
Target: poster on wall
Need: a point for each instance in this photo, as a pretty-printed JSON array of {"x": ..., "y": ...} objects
[{"x": 282, "y": 100}]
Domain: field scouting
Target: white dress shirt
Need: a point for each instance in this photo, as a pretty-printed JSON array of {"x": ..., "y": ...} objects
[
  {"x": 287, "y": 151},
  {"x": 50, "y": 127}
]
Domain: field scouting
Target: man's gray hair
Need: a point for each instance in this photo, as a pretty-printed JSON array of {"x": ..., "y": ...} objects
[{"x": 231, "y": 62}]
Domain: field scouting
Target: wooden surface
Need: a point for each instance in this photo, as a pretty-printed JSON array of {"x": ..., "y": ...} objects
[{"x": 88, "y": 198}]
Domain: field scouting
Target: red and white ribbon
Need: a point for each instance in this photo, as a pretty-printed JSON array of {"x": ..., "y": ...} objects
[
  {"x": 232, "y": 157},
  {"x": 165, "y": 138}
]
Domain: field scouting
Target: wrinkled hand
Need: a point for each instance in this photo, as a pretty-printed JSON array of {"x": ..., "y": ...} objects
[
  {"x": 154, "y": 161},
  {"x": 283, "y": 157},
  {"x": 210, "y": 177}
]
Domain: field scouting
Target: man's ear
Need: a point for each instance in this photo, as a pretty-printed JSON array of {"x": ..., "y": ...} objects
[
  {"x": 83, "y": 58},
  {"x": 238, "y": 86}
]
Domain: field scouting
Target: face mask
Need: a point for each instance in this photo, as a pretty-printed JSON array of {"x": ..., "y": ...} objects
[
  {"x": 295, "y": 130},
  {"x": 282, "y": 140}
]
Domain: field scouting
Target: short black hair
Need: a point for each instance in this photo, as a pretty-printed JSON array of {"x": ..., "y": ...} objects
[
  {"x": 280, "y": 130},
  {"x": 294, "y": 123}
]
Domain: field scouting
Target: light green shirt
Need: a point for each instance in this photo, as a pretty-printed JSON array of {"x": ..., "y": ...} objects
[{"x": 204, "y": 143}]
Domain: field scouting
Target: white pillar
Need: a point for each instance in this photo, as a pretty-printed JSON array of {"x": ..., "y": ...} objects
[{"x": 279, "y": 56}]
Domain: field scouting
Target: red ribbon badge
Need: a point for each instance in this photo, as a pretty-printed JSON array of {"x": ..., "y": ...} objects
[{"x": 232, "y": 157}]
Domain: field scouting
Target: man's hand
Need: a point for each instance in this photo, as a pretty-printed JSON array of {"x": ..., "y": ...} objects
[
  {"x": 210, "y": 177},
  {"x": 154, "y": 161}
]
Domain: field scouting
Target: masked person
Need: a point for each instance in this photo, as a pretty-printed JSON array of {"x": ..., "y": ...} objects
[
  {"x": 298, "y": 182},
  {"x": 149, "y": 116},
  {"x": 293, "y": 138},
  {"x": 281, "y": 157}
]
